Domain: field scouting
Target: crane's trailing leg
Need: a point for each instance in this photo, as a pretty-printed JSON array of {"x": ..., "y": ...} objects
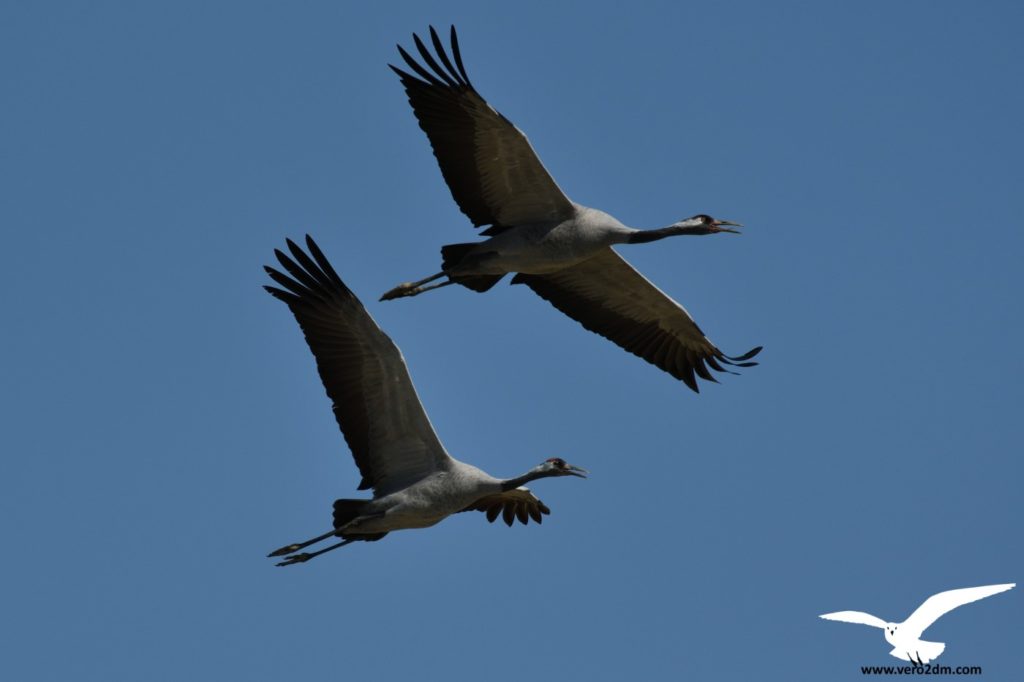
[
  {"x": 347, "y": 515},
  {"x": 413, "y": 288},
  {"x": 306, "y": 556},
  {"x": 289, "y": 549}
]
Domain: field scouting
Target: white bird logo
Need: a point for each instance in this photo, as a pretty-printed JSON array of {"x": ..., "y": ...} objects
[{"x": 905, "y": 637}]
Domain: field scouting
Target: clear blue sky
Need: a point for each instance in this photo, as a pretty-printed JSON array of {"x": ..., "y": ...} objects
[{"x": 164, "y": 427}]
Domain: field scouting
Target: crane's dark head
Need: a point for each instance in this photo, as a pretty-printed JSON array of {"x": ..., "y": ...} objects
[
  {"x": 556, "y": 466},
  {"x": 705, "y": 224}
]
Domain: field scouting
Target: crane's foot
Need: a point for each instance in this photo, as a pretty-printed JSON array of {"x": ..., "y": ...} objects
[
  {"x": 403, "y": 289},
  {"x": 413, "y": 288},
  {"x": 295, "y": 559},
  {"x": 285, "y": 550}
]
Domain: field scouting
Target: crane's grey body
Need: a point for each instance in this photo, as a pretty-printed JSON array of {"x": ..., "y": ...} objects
[
  {"x": 560, "y": 249},
  {"x": 543, "y": 248},
  {"x": 426, "y": 502},
  {"x": 416, "y": 482}
]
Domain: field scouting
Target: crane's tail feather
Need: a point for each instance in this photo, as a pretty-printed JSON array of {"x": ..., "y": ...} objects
[
  {"x": 453, "y": 254},
  {"x": 478, "y": 283},
  {"x": 347, "y": 510}
]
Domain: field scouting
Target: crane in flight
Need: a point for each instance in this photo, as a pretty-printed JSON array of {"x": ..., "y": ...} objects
[
  {"x": 416, "y": 483},
  {"x": 558, "y": 248}
]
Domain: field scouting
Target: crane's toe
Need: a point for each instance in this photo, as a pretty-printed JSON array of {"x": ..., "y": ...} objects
[
  {"x": 403, "y": 289},
  {"x": 284, "y": 550},
  {"x": 295, "y": 559}
]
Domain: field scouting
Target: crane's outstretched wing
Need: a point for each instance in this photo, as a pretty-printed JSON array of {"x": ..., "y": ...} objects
[
  {"x": 492, "y": 171},
  {"x": 364, "y": 374},
  {"x": 512, "y": 504},
  {"x": 608, "y": 297},
  {"x": 858, "y": 617},
  {"x": 937, "y": 605}
]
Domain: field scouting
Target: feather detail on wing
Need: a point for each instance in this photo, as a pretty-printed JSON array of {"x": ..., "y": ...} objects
[
  {"x": 608, "y": 297},
  {"x": 518, "y": 503},
  {"x": 363, "y": 372},
  {"x": 492, "y": 171}
]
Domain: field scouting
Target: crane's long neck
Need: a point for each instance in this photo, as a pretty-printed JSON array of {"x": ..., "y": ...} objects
[
  {"x": 644, "y": 236},
  {"x": 531, "y": 475}
]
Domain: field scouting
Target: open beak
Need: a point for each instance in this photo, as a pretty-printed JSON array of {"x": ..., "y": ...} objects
[
  {"x": 576, "y": 471},
  {"x": 720, "y": 223}
]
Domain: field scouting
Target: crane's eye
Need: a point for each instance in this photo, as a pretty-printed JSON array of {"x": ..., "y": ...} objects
[{"x": 557, "y": 461}]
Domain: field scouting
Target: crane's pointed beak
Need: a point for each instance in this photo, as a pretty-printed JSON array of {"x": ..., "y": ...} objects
[
  {"x": 719, "y": 223},
  {"x": 576, "y": 471}
]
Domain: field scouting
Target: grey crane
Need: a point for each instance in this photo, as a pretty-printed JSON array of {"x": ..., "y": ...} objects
[
  {"x": 558, "y": 248},
  {"x": 416, "y": 483}
]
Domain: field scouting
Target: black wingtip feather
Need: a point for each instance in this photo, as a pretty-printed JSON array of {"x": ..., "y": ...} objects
[
  {"x": 457, "y": 54},
  {"x": 749, "y": 354},
  {"x": 443, "y": 56},
  {"x": 281, "y": 295},
  {"x": 305, "y": 272},
  {"x": 420, "y": 71},
  {"x": 310, "y": 277},
  {"x": 295, "y": 288},
  {"x": 718, "y": 368},
  {"x": 432, "y": 63},
  {"x": 325, "y": 265},
  {"x": 297, "y": 252},
  {"x": 702, "y": 370},
  {"x": 690, "y": 381},
  {"x": 311, "y": 268},
  {"x": 443, "y": 74}
]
